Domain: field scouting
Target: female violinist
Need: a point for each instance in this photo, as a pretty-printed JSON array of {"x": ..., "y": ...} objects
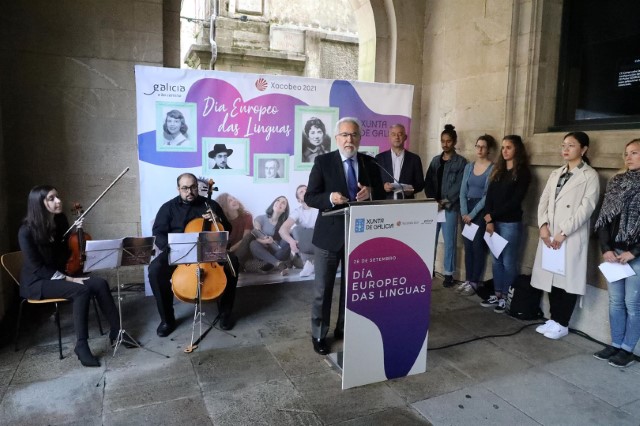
[{"x": 45, "y": 254}]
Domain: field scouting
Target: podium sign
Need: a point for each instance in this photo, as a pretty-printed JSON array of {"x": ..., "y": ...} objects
[{"x": 390, "y": 255}]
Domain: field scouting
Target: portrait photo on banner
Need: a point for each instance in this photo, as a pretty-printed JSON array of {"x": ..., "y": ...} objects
[
  {"x": 271, "y": 168},
  {"x": 313, "y": 134},
  {"x": 225, "y": 156},
  {"x": 176, "y": 126}
]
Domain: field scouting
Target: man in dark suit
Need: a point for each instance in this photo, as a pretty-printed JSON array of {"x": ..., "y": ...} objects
[
  {"x": 336, "y": 179},
  {"x": 404, "y": 166}
]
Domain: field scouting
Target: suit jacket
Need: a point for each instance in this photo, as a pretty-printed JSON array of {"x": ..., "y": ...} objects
[
  {"x": 327, "y": 176},
  {"x": 411, "y": 172}
]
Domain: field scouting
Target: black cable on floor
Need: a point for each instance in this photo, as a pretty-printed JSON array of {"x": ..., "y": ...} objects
[{"x": 484, "y": 337}]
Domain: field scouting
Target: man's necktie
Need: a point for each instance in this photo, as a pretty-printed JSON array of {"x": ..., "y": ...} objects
[{"x": 352, "y": 181}]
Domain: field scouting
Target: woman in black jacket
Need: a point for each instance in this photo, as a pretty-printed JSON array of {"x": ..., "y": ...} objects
[{"x": 45, "y": 254}]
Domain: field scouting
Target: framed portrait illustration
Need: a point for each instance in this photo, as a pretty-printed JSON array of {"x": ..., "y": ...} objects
[
  {"x": 313, "y": 134},
  {"x": 176, "y": 126},
  {"x": 271, "y": 168},
  {"x": 225, "y": 156}
]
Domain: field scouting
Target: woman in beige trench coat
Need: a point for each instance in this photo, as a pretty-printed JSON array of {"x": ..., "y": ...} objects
[{"x": 565, "y": 206}]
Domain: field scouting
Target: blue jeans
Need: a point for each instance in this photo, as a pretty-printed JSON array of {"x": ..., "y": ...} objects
[
  {"x": 475, "y": 252},
  {"x": 505, "y": 268},
  {"x": 624, "y": 309},
  {"x": 449, "y": 235}
]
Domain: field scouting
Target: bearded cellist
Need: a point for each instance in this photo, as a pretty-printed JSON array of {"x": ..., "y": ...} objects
[{"x": 173, "y": 217}]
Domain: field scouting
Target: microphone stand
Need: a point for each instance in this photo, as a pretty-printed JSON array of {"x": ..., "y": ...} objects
[{"x": 392, "y": 177}]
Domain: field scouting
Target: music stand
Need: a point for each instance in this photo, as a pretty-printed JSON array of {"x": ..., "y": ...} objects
[
  {"x": 113, "y": 254},
  {"x": 197, "y": 248}
]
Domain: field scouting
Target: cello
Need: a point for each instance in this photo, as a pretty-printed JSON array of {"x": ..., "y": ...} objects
[{"x": 204, "y": 281}]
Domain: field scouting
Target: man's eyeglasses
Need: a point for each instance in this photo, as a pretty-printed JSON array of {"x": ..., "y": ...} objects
[
  {"x": 346, "y": 135},
  {"x": 189, "y": 188}
]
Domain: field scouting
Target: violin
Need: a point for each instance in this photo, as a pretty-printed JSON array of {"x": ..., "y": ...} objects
[
  {"x": 77, "y": 243},
  {"x": 209, "y": 276},
  {"x": 78, "y": 240}
]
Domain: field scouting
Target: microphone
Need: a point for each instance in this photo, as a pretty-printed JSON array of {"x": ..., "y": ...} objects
[{"x": 391, "y": 176}]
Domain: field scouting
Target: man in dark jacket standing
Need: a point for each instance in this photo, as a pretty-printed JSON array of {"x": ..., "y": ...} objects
[{"x": 337, "y": 178}]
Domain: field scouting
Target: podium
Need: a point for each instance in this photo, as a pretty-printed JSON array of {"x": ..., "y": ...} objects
[{"x": 389, "y": 256}]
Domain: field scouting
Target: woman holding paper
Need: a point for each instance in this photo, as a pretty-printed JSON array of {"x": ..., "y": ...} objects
[
  {"x": 565, "y": 206},
  {"x": 268, "y": 246},
  {"x": 508, "y": 185},
  {"x": 45, "y": 253},
  {"x": 475, "y": 181},
  {"x": 618, "y": 227}
]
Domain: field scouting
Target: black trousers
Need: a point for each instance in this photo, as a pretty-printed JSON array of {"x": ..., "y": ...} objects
[
  {"x": 80, "y": 295},
  {"x": 561, "y": 305},
  {"x": 326, "y": 266},
  {"x": 160, "y": 280}
]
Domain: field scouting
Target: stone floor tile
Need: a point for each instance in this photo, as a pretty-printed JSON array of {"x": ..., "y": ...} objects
[
  {"x": 397, "y": 416},
  {"x": 603, "y": 381},
  {"x": 323, "y": 393},
  {"x": 58, "y": 400},
  {"x": 471, "y": 406},
  {"x": 297, "y": 357},
  {"x": 483, "y": 360},
  {"x": 235, "y": 368},
  {"x": 269, "y": 403},
  {"x": 441, "y": 377},
  {"x": 548, "y": 400},
  {"x": 177, "y": 412}
]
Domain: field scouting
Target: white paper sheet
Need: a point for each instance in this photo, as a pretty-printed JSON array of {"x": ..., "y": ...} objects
[
  {"x": 441, "y": 216},
  {"x": 102, "y": 254},
  {"x": 554, "y": 260},
  {"x": 469, "y": 231},
  {"x": 615, "y": 271},
  {"x": 495, "y": 243},
  {"x": 183, "y": 248}
]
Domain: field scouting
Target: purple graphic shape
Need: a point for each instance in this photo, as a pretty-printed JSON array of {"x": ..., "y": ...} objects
[
  {"x": 344, "y": 96},
  {"x": 147, "y": 153},
  {"x": 403, "y": 319},
  {"x": 268, "y": 121}
]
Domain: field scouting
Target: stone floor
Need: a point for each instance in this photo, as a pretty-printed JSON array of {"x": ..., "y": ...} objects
[{"x": 266, "y": 372}]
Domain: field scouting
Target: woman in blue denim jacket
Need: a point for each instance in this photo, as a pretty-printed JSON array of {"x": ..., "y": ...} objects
[
  {"x": 475, "y": 182},
  {"x": 442, "y": 183}
]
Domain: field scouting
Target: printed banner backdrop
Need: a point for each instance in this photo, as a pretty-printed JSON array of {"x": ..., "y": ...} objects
[
  {"x": 388, "y": 291},
  {"x": 266, "y": 125}
]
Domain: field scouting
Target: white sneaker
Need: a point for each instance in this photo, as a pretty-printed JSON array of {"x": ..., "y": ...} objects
[
  {"x": 308, "y": 269},
  {"x": 462, "y": 286},
  {"x": 468, "y": 290},
  {"x": 546, "y": 326},
  {"x": 556, "y": 332}
]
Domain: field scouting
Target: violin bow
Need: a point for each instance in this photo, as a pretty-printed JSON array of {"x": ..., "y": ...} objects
[{"x": 81, "y": 217}]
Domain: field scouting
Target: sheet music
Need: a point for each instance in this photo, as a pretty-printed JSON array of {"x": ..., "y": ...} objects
[
  {"x": 469, "y": 231},
  {"x": 554, "y": 260},
  {"x": 615, "y": 271},
  {"x": 213, "y": 246},
  {"x": 102, "y": 254},
  {"x": 183, "y": 248},
  {"x": 137, "y": 250}
]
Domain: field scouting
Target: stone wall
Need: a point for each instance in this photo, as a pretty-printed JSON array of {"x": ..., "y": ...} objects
[{"x": 68, "y": 104}]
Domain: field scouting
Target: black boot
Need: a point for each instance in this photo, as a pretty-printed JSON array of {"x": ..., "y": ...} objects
[{"x": 84, "y": 354}]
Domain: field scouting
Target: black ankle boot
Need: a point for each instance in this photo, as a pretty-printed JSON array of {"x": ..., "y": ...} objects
[{"x": 85, "y": 356}]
